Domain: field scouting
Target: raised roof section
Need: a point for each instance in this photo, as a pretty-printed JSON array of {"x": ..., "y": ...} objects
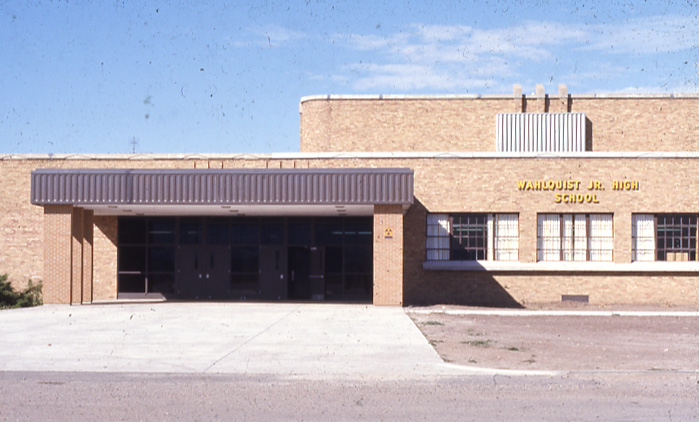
[{"x": 468, "y": 123}]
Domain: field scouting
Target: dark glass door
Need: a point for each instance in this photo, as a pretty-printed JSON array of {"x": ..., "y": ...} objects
[
  {"x": 299, "y": 272},
  {"x": 204, "y": 261},
  {"x": 316, "y": 272},
  {"x": 217, "y": 283},
  {"x": 272, "y": 272},
  {"x": 190, "y": 273},
  {"x": 306, "y": 272}
]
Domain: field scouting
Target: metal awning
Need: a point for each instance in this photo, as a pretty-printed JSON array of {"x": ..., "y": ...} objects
[{"x": 94, "y": 187}]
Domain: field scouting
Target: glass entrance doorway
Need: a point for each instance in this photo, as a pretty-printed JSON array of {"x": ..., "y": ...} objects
[{"x": 223, "y": 258}]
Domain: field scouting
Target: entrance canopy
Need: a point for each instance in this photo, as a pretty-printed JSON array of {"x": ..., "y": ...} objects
[{"x": 224, "y": 192}]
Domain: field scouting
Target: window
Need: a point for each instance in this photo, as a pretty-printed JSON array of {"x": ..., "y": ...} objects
[
  {"x": 664, "y": 237},
  {"x": 472, "y": 237},
  {"x": 146, "y": 255},
  {"x": 575, "y": 237},
  {"x": 469, "y": 239}
]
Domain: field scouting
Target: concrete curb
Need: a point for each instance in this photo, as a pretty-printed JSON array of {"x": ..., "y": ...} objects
[
  {"x": 518, "y": 312},
  {"x": 473, "y": 370}
]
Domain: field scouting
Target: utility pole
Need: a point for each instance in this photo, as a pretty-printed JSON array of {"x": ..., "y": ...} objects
[{"x": 133, "y": 143}]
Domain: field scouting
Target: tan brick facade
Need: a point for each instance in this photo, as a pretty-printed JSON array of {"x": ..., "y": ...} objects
[
  {"x": 105, "y": 258},
  {"x": 388, "y": 255},
  {"x": 57, "y": 271},
  {"x": 75, "y": 252},
  {"x": 623, "y": 123}
]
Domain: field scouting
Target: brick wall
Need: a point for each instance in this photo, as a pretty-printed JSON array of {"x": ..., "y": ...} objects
[
  {"x": 388, "y": 255},
  {"x": 441, "y": 185},
  {"x": 630, "y": 123},
  {"x": 105, "y": 258},
  {"x": 21, "y": 235},
  {"x": 57, "y": 254}
]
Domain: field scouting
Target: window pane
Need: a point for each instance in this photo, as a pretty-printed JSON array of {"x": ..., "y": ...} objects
[
  {"x": 333, "y": 260},
  {"x": 506, "y": 237},
  {"x": 161, "y": 283},
  {"x": 161, "y": 230},
  {"x": 358, "y": 233},
  {"x": 468, "y": 236},
  {"x": 358, "y": 259},
  {"x": 190, "y": 232},
  {"x": 244, "y": 283},
  {"x": 329, "y": 234},
  {"x": 299, "y": 233},
  {"x": 245, "y": 259},
  {"x": 132, "y": 283},
  {"x": 245, "y": 233},
  {"x": 676, "y": 237},
  {"x": 333, "y": 286},
  {"x": 132, "y": 258},
  {"x": 272, "y": 233},
  {"x": 357, "y": 285},
  {"x": 217, "y": 233},
  {"x": 161, "y": 259},
  {"x": 132, "y": 230}
]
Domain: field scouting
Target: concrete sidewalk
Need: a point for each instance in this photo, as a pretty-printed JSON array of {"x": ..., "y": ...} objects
[{"x": 285, "y": 339}]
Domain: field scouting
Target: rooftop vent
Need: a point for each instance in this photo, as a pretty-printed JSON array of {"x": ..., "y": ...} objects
[{"x": 541, "y": 132}]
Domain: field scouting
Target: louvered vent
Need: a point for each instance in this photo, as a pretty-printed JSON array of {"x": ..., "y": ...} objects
[{"x": 541, "y": 132}]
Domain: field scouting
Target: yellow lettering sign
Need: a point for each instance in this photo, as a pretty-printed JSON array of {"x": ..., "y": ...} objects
[{"x": 574, "y": 185}]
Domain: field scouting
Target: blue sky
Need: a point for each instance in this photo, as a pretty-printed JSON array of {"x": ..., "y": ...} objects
[{"x": 217, "y": 77}]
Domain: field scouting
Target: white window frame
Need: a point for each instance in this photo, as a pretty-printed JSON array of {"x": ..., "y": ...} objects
[
  {"x": 502, "y": 237},
  {"x": 575, "y": 237}
]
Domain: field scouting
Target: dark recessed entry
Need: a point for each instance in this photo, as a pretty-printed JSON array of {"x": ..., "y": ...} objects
[{"x": 239, "y": 258}]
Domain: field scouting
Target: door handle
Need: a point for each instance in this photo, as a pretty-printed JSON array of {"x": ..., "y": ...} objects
[{"x": 207, "y": 276}]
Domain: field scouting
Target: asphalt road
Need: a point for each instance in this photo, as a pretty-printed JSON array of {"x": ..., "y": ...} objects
[
  {"x": 70, "y": 396},
  {"x": 210, "y": 361}
]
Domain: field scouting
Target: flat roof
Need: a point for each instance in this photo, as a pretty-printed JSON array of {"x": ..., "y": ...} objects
[
  {"x": 485, "y": 96},
  {"x": 351, "y": 155}
]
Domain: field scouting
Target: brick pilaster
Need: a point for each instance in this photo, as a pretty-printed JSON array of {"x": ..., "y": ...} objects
[
  {"x": 388, "y": 255},
  {"x": 88, "y": 234},
  {"x": 57, "y": 253}
]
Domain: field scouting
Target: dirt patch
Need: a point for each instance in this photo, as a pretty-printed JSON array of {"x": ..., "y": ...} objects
[{"x": 564, "y": 342}]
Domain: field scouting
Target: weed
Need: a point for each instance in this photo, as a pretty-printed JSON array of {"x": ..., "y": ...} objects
[
  {"x": 433, "y": 323},
  {"x": 472, "y": 361},
  {"x": 529, "y": 361},
  {"x": 477, "y": 343},
  {"x": 512, "y": 349}
]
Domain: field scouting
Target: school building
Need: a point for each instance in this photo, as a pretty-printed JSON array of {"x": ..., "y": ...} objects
[{"x": 486, "y": 200}]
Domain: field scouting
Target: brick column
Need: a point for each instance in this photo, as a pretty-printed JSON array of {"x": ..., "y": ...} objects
[
  {"x": 57, "y": 253},
  {"x": 622, "y": 237},
  {"x": 88, "y": 231},
  {"x": 76, "y": 285},
  {"x": 104, "y": 257},
  {"x": 388, "y": 255},
  {"x": 527, "y": 236}
]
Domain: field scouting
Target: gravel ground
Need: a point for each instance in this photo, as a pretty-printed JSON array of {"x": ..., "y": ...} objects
[{"x": 567, "y": 343}]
